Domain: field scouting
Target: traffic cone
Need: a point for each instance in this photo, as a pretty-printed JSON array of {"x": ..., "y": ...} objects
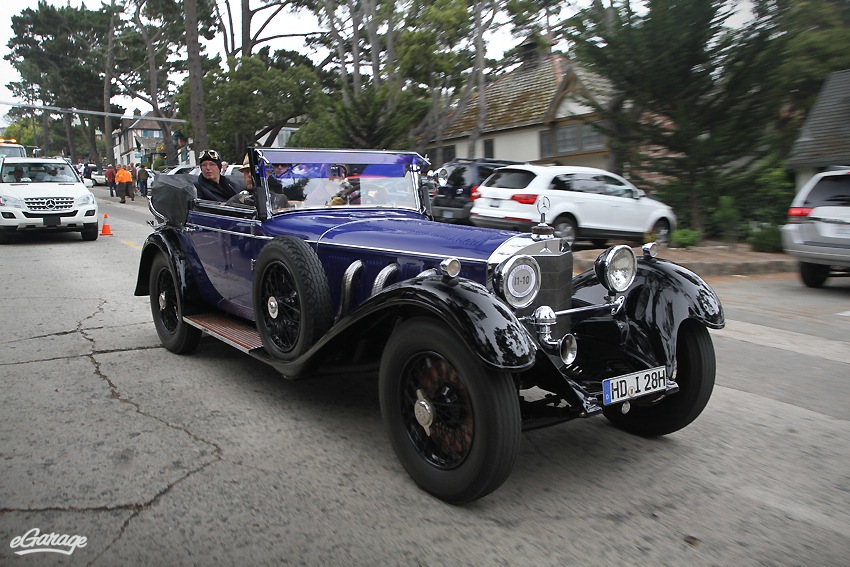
[{"x": 105, "y": 231}]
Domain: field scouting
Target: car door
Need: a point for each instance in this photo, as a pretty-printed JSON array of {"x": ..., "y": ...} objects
[
  {"x": 223, "y": 240},
  {"x": 628, "y": 212},
  {"x": 588, "y": 201}
]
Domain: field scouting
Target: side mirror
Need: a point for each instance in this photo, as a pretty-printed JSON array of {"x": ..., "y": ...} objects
[{"x": 638, "y": 194}]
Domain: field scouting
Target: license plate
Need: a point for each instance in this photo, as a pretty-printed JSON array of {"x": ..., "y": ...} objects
[
  {"x": 448, "y": 214},
  {"x": 51, "y": 221},
  {"x": 634, "y": 385},
  {"x": 495, "y": 203}
]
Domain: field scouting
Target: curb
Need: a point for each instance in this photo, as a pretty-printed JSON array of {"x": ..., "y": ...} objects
[{"x": 700, "y": 262}]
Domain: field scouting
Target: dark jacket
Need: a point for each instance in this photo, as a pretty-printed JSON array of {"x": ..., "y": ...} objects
[{"x": 221, "y": 191}]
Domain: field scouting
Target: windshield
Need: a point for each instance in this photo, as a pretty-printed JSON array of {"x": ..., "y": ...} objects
[
  {"x": 345, "y": 178},
  {"x": 12, "y": 151},
  {"x": 38, "y": 172}
]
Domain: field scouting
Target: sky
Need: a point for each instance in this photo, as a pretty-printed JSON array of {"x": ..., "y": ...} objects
[{"x": 497, "y": 45}]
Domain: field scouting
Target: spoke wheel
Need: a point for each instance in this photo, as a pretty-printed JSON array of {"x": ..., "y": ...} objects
[
  {"x": 454, "y": 426},
  {"x": 292, "y": 304},
  {"x": 661, "y": 230},
  {"x": 167, "y": 309},
  {"x": 695, "y": 370}
]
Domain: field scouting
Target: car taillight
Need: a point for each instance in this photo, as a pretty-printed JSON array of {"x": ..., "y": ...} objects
[
  {"x": 475, "y": 193},
  {"x": 524, "y": 198},
  {"x": 797, "y": 214}
]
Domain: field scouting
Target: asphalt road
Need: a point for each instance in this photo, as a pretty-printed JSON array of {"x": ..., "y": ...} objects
[{"x": 213, "y": 459}]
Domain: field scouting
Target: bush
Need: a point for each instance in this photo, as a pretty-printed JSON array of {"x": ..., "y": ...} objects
[
  {"x": 766, "y": 239},
  {"x": 158, "y": 164},
  {"x": 685, "y": 238}
]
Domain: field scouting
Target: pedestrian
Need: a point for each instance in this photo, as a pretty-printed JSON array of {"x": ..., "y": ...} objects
[
  {"x": 142, "y": 178},
  {"x": 110, "y": 179},
  {"x": 133, "y": 172},
  {"x": 125, "y": 184}
]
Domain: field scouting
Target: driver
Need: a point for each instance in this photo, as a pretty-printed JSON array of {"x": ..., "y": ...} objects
[{"x": 211, "y": 184}]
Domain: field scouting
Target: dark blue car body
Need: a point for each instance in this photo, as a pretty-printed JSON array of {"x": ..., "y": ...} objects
[{"x": 461, "y": 322}]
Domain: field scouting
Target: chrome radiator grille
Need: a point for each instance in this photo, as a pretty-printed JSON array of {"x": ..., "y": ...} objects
[
  {"x": 556, "y": 288},
  {"x": 49, "y": 203}
]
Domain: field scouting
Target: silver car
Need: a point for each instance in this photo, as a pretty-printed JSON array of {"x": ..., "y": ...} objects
[{"x": 818, "y": 229}]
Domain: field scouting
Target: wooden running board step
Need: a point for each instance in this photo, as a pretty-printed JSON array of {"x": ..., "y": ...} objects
[{"x": 234, "y": 332}]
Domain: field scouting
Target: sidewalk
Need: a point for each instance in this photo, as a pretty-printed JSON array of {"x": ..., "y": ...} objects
[{"x": 711, "y": 259}]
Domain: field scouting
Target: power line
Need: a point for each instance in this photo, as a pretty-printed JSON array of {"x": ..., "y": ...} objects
[{"x": 95, "y": 112}]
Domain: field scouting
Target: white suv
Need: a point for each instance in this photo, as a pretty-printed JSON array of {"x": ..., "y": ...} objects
[
  {"x": 44, "y": 194},
  {"x": 818, "y": 229},
  {"x": 586, "y": 203}
]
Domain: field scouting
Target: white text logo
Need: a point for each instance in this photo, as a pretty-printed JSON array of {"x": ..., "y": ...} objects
[{"x": 47, "y": 543}]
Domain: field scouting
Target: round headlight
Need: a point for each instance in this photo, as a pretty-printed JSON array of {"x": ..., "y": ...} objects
[
  {"x": 518, "y": 281},
  {"x": 615, "y": 268}
]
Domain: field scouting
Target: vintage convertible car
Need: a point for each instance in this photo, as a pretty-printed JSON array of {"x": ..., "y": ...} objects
[{"x": 476, "y": 334}]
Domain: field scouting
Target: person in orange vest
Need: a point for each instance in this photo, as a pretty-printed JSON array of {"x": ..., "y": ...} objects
[{"x": 125, "y": 184}]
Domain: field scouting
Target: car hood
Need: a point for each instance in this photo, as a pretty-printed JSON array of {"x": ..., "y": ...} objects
[
  {"x": 417, "y": 237},
  {"x": 34, "y": 190}
]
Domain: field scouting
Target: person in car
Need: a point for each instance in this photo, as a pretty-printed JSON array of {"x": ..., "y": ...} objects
[
  {"x": 279, "y": 199},
  {"x": 211, "y": 185},
  {"x": 16, "y": 175}
]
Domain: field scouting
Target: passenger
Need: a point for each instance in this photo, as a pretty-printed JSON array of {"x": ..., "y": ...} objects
[
  {"x": 211, "y": 185},
  {"x": 279, "y": 199},
  {"x": 16, "y": 175}
]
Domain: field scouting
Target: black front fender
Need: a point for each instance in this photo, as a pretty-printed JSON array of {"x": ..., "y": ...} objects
[
  {"x": 663, "y": 295},
  {"x": 167, "y": 242}
]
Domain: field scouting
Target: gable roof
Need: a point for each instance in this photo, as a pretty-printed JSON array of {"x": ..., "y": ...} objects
[
  {"x": 825, "y": 137},
  {"x": 527, "y": 96}
]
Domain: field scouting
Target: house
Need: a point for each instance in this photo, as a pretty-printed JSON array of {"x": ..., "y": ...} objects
[
  {"x": 535, "y": 114},
  {"x": 139, "y": 139},
  {"x": 825, "y": 137}
]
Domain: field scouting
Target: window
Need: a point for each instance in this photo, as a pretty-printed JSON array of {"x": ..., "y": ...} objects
[
  {"x": 561, "y": 183},
  {"x": 545, "y": 144},
  {"x": 591, "y": 138},
  {"x": 448, "y": 153},
  {"x": 614, "y": 186},
  {"x": 510, "y": 179},
  {"x": 566, "y": 139},
  {"x": 488, "y": 148},
  {"x": 831, "y": 190}
]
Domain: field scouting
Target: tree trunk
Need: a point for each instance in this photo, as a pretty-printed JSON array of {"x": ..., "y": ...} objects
[
  {"x": 88, "y": 124},
  {"x": 356, "y": 17},
  {"x": 198, "y": 109},
  {"x": 45, "y": 116},
  {"x": 107, "y": 88},
  {"x": 246, "y": 29},
  {"x": 69, "y": 134},
  {"x": 482, "y": 83}
]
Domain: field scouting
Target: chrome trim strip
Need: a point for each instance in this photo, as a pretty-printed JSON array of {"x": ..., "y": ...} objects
[
  {"x": 352, "y": 273},
  {"x": 389, "y": 271},
  {"x": 194, "y": 227}
]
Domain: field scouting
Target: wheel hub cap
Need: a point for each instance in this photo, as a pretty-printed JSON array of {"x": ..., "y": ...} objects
[
  {"x": 162, "y": 301},
  {"x": 423, "y": 412},
  {"x": 272, "y": 306}
]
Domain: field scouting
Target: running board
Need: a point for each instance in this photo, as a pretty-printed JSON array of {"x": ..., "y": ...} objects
[{"x": 231, "y": 331}]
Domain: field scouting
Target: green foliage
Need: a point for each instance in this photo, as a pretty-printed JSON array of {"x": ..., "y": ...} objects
[
  {"x": 685, "y": 238},
  {"x": 727, "y": 217},
  {"x": 695, "y": 97},
  {"x": 250, "y": 99},
  {"x": 158, "y": 164},
  {"x": 371, "y": 121},
  {"x": 766, "y": 239}
]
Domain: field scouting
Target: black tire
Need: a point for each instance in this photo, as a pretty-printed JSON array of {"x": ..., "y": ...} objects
[
  {"x": 89, "y": 233},
  {"x": 661, "y": 230},
  {"x": 475, "y": 434},
  {"x": 695, "y": 370},
  {"x": 292, "y": 299},
  {"x": 813, "y": 275},
  {"x": 599, "y": 242},
  {"x": 167, "y": 309},
  {"x": 566, "y": 227}
]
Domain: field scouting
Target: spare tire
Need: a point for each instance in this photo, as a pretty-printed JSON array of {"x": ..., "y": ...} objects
[{"x": 292, "y": 299}]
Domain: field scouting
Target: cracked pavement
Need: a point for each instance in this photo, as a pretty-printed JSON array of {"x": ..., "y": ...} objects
[{"x": 212, "y": 458}]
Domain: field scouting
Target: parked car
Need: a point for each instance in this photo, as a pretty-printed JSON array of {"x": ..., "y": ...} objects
[
  {"x": 98, "y": 177},
  {"x": 818, "y": 229},
  {"x": 475, "y": 334},
  {"x": 587, "y": 204},
  {"x": 11, "y": 148},
  {"x": 38, "y": 194},
  {"x": 453, "y": 201}
]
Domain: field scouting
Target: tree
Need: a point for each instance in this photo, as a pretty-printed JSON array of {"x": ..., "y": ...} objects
[
  {"x": 696, "y": 99},
  {"x": 246, "y": 99}
]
